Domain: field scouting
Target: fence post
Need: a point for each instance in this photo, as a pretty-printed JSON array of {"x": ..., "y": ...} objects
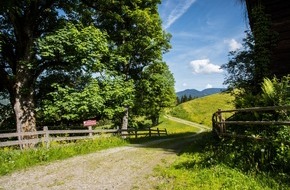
[
  {"x": 46, "y": 136},
  {"x": 220, "y": 119},
  {"x": 165, "y": 131},
  {"x": 149, "y": 132},
  {"x": 20, "y": 138},
  {"x": 136, "y": 133},
  {"x": 158, "y": 132},
  {"x": 90, "y": 131}
]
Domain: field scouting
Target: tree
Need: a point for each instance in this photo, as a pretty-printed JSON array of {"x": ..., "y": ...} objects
[
  {"x": 279, "y": 13},
  {"x": 103, "y": 97},
  {"x": 136, "y": 36},
  {"x": 45, "y": 42},
  {"x": 240, "y": 67},
  {"x": 117, "y": 93},
  {"x": 249, "y": 66},
  {"x": 184, "y": 98},
  {"x": 70, "y": 105},
  {"x": 178, "y": 101},
  {"x": 34, "y": 39},
  {"x": 6, "y": 111},
  {"x": 155, "y": 91},
  {"x": 190, "y": 97}
]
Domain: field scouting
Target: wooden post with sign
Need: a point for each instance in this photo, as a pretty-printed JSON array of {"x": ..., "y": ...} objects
[{"x": 89, "y": 124}]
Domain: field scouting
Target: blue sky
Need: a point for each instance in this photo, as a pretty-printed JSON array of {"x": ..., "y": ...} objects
[{"x": 203, "y": 33}]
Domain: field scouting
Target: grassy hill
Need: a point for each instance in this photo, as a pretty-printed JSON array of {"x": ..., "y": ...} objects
[
  {"x": 200, "y": 110},
  {"x": 208, "y": 163}
]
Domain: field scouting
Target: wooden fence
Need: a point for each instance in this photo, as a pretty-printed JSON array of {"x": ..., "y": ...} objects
[
  {"x": 219, "y": 123},
  {"x": 46, "y": 136}
]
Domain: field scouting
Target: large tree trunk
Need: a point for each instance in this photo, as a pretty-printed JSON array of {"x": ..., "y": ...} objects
[
  {"x": 155, "y": 120},
  {"x": 23, "y": 105},
  {"x": 125, "y": 121},
  {"x": 279, "y": 12}
]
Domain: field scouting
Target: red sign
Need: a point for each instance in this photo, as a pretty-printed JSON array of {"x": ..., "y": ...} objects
[{"x": 90, "y": 123}]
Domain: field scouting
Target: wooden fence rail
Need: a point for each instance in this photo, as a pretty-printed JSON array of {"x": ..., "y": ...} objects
[
  {"x": 219, "y": 123},
  {"x": 46, "y": 136}
]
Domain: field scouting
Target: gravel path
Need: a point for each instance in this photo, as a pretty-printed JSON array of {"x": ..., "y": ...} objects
[{"x": 119, "y": 168}]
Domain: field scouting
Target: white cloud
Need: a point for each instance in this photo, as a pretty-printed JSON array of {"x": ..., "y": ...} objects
[
  {"x": 177, "y": 12},
  {"x": 184, "y": 84},
  {"x": 204, "y": 66},
  {"x": 208, "y": 86},
  {"x": 233, "y": 44}
]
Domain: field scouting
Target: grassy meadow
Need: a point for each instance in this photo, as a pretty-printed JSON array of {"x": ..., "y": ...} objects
[
  {"x": 204, "y": 164},
  {"x": 200, "y": 110},
  {"x": 198, "y": 166}
]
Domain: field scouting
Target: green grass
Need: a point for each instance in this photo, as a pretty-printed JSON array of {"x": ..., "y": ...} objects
[
  {"x": 201, "y": 164},
  {"x": 175, "y": 128},
  {"x": 200, "y": 110},
  {"x": 197, "y": 168},
  {"x": 14, "y": 159}
]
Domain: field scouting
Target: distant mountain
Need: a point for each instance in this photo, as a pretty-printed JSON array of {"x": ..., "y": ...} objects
[{"x": 195, "y": 93}]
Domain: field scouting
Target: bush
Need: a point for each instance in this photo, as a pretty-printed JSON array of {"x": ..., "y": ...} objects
[{"x": 272, "y": 153}]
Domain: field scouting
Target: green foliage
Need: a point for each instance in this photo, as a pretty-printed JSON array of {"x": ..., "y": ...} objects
[
  {"x": 41, "y": 37},
  {"x": 240, "y": 67},
  {"x": 117, "y": 93},
  {"x": 104, "y": 97},
  {"x": 265, "y": 41},
  {"x": 183, "y": 99},
  {"x": 248, "y": 67},
  {"x": 135, "y": 30},
  {"x": 276, "y": 92},
  {"x": 70, "y": 43},
  {"x": 137, "y": 41},
  {"x": 209, "y": 164},
  {"x": 6, "y": 117},
  {"x": 72, "y": 105},
  {"x": 155, "y": 91},
  {"x": 271, "y": 154},
  {"x": 12, "y": 160},
  {"x": 74, "y": 45}
]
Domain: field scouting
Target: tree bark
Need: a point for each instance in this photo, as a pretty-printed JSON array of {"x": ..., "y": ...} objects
[
  {"x": 155, "y": 120},
  {"x": 279, "y": 12},
  {"x": 125, "y": 121},
  {"x": 23, "y": 105}
]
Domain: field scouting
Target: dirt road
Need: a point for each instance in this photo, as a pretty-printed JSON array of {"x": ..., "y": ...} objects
[{"x": 119, "y": 168}]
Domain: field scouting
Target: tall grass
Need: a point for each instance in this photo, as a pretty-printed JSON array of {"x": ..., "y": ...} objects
[
  {"x": 198, "y": 167},
  {"x": 200, "y": 110}
]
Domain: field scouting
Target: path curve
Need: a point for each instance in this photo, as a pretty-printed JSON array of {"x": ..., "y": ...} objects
[{"x": 201, "y": 127}]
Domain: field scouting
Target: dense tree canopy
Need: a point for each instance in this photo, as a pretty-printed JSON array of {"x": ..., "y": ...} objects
[
  {"x": 76, "y": 59},
  {"x": 136, "y": 36}
]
